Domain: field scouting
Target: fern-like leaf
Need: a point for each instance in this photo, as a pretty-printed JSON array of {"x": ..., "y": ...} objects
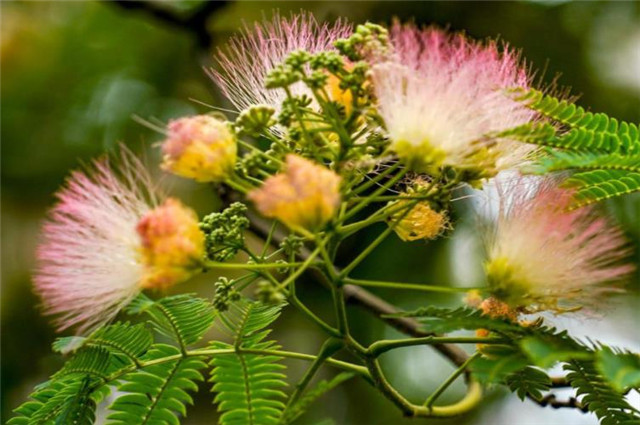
[
  {"x": 589, "y": 131},
  {"x": 183, "y": 318},
  {"x": 248, "y": 385},
  {"x": 604, "y": 152},
  {"x": 608, "y": 405},
  {"x": 586, "y": 161},
  {"x": 598, "y": 185},
  {"x": 158, "y": 393},
  {"x": 443, "y": 320},
  {"x": 69, "y": 400},
  {"x": 130, "y": 341},
  {"x": 528, "y": 381}
]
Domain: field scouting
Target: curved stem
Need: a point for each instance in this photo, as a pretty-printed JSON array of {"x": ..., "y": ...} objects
[
  {"x": 470, "y": 400},
  {"x": 382, "y": 346},
  {"x": 459, "y": 371}
]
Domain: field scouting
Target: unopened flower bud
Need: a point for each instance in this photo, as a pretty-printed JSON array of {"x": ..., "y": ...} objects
[
  {"x": 201, "y": 147},
  {"x": 172, "y": 245},
  {"x": 306, "y": 195}
]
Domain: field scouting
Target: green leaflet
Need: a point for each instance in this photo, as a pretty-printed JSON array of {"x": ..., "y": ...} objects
[
  {"x": 71, "y": 399},
  {"x": 131, "y": 341},
  {"x": 443, "y": 320},
  {"x": 248, "y": 386},
  {"x": 528, "y": 381},
  {"x": 593, "y": 131},
  {"x": 621, "y": 369},
  {"x": 183, "y": 318},
  {"x": 603, "y": 153},
  {"x": 609, "y": 406},
  {"x": 158, "y": 393}
]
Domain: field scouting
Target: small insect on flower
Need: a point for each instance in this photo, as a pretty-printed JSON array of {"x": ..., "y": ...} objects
[
  {"x": 543, "y": 256},
  {"x": 201, "y": 147},
  {"x": 441, "y": 94},
  {"x": 305, "y": 196},
  {"x": 92, "y": 260},
  {"x": 257, "y": 50},
  {"x": 421, "y": 222}
]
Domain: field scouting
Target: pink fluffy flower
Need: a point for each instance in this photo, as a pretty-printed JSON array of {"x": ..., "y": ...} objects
[
  {"x": 440, "y": 94},
  {"x": 88, "y": 266},
  {"x": 107, "y": 239},
  {"x": 544, "y": 256},
  {"x": 258, "y": 49}
]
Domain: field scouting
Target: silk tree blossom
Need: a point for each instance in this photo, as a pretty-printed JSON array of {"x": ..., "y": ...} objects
[
  {"x": 544, "y": 256},
  {"x": 441, "y": 95},
  {"x": 94, "y": 257},
  {"x": 305, "y": 196},
  {"x": 251, "y": 55},
  {"x": 200, "y": 147}
]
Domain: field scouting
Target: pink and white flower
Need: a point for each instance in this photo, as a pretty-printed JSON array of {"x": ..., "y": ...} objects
[
  {"x": 544, "y": 256},
  {"x": 107, "y": 239},
  {"x": 441, "y": 94},
  {"x": 250, "y": 56}
]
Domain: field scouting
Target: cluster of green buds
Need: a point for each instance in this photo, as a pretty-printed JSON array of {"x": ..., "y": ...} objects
[{"x": 224, "y": 232}]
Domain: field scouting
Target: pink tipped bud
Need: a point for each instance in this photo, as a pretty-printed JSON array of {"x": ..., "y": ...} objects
[
  {"x": 306, "y": 195},
  {"x": 202, "y": 148}
]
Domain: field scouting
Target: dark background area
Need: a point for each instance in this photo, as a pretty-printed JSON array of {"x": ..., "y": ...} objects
[{"x": 74, "y": 74}]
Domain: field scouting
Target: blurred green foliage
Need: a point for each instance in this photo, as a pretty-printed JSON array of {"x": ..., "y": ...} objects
[{"x": 74, "y": 74}]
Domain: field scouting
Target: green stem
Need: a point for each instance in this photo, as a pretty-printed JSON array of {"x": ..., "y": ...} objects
[
  {"x": 470, "y": 400},
  {"x": 432, "y": 398},
  {"x": 256, "y": 149},
  {"x": 373, "y": 245},
  {"x": 408, "y": 286},
  {"x": 360, "y": 370},
  {"x": 302, "y": 268},
  {"x": 375, "y": 180},
  {"x": 252, "y": 266},
  {"x": 340, "y": 309},
  {"x": 380, "y": 215},
  {"x": 329, "y": 347},
  {"x": 382, "y": 346},
  {"x": 295, "y": 301},
  {"x": 363, "y": 204},
  {"x": 240, "y": 187},
  {"x": 267, "y": 242}
]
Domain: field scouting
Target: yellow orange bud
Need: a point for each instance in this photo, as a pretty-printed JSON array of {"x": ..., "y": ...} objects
[
  {"x": 337, "y": 94},
  {"x": 421, "y": 222},
  {"x": 496, "y": 309},
  {"x": 172, "y": 245},
  {"x": 306, "y": 195},
  {"x": 201, "y": 147}
]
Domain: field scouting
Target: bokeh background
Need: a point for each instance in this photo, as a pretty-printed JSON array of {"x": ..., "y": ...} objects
[{"x": 75, "y": 73}]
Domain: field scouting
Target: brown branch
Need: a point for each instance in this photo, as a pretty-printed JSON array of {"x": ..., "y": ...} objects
[
  {"x": 550, "y": 400},
  {"x": 194, "y": 24}
]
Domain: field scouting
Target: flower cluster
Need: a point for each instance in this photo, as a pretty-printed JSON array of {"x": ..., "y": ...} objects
[{"x": 337, "y": 124}]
